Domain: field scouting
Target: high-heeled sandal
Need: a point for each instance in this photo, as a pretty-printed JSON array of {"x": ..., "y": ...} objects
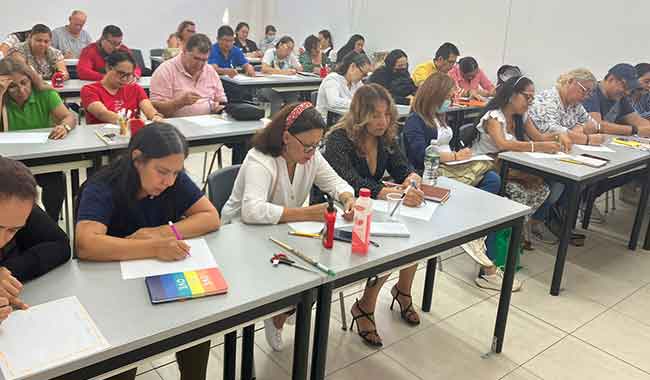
[
  {"x": 406, "y": 312},
  {"x": 364, "y": 334}
]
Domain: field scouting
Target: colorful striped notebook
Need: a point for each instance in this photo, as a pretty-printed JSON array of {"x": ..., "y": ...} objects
[{"x": 184, "y": 285}]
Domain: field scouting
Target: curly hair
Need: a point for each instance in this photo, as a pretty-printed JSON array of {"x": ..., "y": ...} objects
[{"x": 362, "y": 110}]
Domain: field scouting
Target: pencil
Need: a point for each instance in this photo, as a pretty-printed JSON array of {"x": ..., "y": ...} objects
[{"x": 304, "y": 257}]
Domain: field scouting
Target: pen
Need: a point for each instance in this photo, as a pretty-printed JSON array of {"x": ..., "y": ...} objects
[
  {"x": 304, "y": 234},
  {"x": 176, "y": 233},
  {"x": 401, "y": 200},
  {"x": 304, "y": 257}
]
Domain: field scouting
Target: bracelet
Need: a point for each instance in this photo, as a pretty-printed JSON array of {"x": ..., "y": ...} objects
[
  {"x": 598, "y": 127},
  {"x": 532, "y": 147},
  {"x": 587, "y": 139}
]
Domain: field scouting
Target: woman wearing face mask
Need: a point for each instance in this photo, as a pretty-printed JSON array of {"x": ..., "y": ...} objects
[
  {"x": 355, "y": 43},
  {"x": 28, "y": 103},
  {"x": 276, "y": 177},
  {"x": 338, "y": 87},
  {"x": 117, "y": 92},
  {"x": 395, "y": 77},
  {"x": 39, "y": 55},
  {"x": 124, "y": 210},
  {"x": 269, "y": 40}
]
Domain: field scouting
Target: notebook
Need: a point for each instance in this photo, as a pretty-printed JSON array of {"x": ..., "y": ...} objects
[
  {"x": 185, "y": 285},
  {"x": 435, "y": 193}
]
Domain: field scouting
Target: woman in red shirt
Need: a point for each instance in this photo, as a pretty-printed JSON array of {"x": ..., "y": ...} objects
[{"x": 117, "y": 93}]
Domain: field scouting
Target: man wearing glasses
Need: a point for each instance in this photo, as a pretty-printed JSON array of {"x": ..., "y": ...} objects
[
  {"x": 92, "y": 61},
  {"x": 445, "y": 59}
]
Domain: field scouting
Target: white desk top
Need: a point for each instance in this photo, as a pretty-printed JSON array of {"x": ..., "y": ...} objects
[
  {"x": 75, "y": 85},
  {"x": 272, "y": 80},
  {"x": 71, "y": 61}
]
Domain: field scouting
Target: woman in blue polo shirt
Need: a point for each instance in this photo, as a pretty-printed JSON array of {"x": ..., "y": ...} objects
[
  {"x": 28, "y": 103},
  {"x": 124, "y": 210}
]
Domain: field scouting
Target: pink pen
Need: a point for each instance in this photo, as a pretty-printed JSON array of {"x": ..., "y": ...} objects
[{"x": 176, "y": 233}]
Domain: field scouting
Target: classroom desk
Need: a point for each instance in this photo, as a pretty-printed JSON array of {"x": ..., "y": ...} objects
[
  {"x": 138, "y": 330},
  {"x": 468, "y": 214},
  {"x": 576, "y": 178},
  {"x": 301, "y": 83},
  {"x": 402, "y": 110},
  {"x": 72, "y": 87}
]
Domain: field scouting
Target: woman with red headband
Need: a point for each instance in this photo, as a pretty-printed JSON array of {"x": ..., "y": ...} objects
[{"x": 277, "y": 176}]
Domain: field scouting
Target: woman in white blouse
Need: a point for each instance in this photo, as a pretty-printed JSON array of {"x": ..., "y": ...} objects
[
  {"x": 277, "y": 176},
  {"x": 338, "y": 87}
]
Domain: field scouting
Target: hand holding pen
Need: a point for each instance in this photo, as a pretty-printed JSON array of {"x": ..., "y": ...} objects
[{"x": 412, "y": 196}]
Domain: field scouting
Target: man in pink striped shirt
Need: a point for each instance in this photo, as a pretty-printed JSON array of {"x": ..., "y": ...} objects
[
  {"x": 471, "y": 80},
  {"x": 186, "y": 85}
]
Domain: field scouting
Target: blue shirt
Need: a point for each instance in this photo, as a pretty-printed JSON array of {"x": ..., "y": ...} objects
[
  {"x": 612, "y": 111},
  {"x": 98, "y": 204},
  {"x": 236, "y": 58},
  {"x": 642, "y": 107},
  {"x": 417, "y": 136}
]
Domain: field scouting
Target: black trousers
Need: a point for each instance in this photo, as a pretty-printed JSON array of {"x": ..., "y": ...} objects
[
  {"x": 192, "y": 363},
  {"x": 53, "y": 185}
]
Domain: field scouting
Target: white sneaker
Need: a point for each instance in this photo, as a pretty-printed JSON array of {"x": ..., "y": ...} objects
[
  {"x": 476, "y": 250},
  {"x": 495, "y": 280},
  {"x": 273, "y": 335}
]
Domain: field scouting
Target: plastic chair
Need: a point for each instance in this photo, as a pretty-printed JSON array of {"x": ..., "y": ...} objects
[
  {"x": 139, "y": 60},
  {"x": 466, "y": 134},
  {"x": 220, "y": 184},
  {"x": 155, "y": 53}
]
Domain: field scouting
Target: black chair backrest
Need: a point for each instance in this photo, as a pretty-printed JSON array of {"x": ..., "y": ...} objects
[
  {"x": 220, "y": 184},
  {"x": 313, "y": 97},
  {"x": 467, "y": 134},
  {"x": 156, "y": 52},
  {"x": 139, "y": 60}
]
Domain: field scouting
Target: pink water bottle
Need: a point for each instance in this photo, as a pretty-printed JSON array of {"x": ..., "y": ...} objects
[{"x": 362, "y": 218}]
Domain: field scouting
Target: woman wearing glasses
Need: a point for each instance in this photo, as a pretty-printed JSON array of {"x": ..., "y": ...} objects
[
  {"x": 117, "y": 95},
  {"x": 277, "y": 176}
]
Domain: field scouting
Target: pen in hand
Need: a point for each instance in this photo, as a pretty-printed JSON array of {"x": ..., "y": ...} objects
[{"x": 176, "y": 233}]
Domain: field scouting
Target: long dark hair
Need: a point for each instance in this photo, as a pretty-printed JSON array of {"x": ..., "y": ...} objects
[
  {"x": 157, "y": 140},
  {"x": 328, "y": 36},
  {"x": 509, "y": 88},
  {"x": 358, "y": 59},
  {"x": 348, "y": 47},
  {"x": 392, "y": 58}
]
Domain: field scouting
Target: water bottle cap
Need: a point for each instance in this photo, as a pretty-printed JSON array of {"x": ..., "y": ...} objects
[{"x": 364, "y": 192}]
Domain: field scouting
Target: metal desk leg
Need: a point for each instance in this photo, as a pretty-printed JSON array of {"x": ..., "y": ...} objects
[
  {"x": 506, "y": 286},
  {"x": 301, "y": 339},
  {"x": 69, "y": 222},
  {"x": 247, "y": 348},
  {"x": 504, "y": 177},
  {"x": 573, "y": 191},
  {"x": 321, "y": 332},
  {"x": 230, "y": 356},
  {"x": 640, "y": 211},
  {"x": 429, "y": 280}
]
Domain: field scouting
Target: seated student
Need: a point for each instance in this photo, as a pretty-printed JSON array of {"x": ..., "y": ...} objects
[
  {"x": 313, "y": 58},
  {"x": 276, "y": 178},
  {"x": 247, "y": 46},
  {"x": 361, "y": 148},
  {"x": 92, "y": 64},
  {"x": 338, "y": 87},
  {"x": 123, "y": 213},
  {"x": 30, "y": 104},
  {"x": 280, "y": 60},
  {"x": 269, "y": 39},
  {"x": 471, "y": 80},
  {"x": 31, "y": 244},
  {"x": 12, "y": 40},
  {"x": 117, "y": 92},
  {"x": 39, "y": 55},
  {"x": 185, "y": 30},
  {"x": 225, "y": 57},
  {"x": 173, "y": 47},
  {"x": 327, "y": 44},
  {"x": 610, "y": 106},
  {"x": 394, "y": 76},
  {"x": 506, "y": 72},
  {"x": 445, "y": 59},
  {"x": 641, "y": 97},
  {"x": 355, "y": 43},
  {"x": 504, "y": 126},
  {"x": 72, "y": 38}
]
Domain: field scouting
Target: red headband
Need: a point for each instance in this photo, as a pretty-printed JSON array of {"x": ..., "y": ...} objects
[{"x": 295, "y": 113}]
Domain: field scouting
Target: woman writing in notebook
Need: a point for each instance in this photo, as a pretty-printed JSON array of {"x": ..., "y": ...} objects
[
  {"x": 361, "y": 148},
  {"x": 123, "y": 213},
  {"x": 313, "y": 58},
  {"x": 280, "y": 60},
  {"x": 277, "y": 176},
  {"x": 117, "y": 95}
]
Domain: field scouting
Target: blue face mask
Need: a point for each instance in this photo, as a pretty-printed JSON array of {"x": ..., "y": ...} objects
[{"x": 445, "y": 106}]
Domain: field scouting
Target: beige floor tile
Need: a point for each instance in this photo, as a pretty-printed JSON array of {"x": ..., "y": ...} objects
[
  {"x": 521, "y": 374},
  {"x": 376, "y": 366},
  {"x": 445, "y": 352},
  {"x": 567, "y": 311},
  {"x": 526, "y": 336},
  {"x": 163, "y": 360},
  {"x": 146, "y": 367},
  {"x": 151, "y": 375},
  {"x": 215, "y": 369},
  {"x": 637, "y": 305},
  {"x": 621, "y": 336},
  {"x": 265, "y": 367},
  {"x": 572, "y": 359}
]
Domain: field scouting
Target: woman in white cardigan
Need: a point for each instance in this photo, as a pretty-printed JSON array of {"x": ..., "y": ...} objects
[{"x": 276, "y": 178}]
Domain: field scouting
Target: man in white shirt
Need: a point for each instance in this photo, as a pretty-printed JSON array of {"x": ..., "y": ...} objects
[{"x": 72, "y": 38}]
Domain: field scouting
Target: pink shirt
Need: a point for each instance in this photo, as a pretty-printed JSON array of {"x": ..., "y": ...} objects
[
  {"x": 171, "y": 79},
  {"x": 479, "y": 80}
]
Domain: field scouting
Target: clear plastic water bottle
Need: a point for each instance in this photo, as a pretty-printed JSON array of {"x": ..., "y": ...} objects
[{"x": 431, "y": 163}]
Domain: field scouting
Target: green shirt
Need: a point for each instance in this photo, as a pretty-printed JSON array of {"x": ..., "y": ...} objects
[
  {"x": 307, "y": 66},
  {"x": 35, "y": 113}
]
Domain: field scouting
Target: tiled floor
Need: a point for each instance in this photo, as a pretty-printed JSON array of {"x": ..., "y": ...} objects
[{"x": 598, "y": 328}]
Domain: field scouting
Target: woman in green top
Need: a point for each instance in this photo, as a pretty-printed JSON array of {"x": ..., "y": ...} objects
[
  {"x": 312, "y": 59},
  {"x": 28, "y": 103}
]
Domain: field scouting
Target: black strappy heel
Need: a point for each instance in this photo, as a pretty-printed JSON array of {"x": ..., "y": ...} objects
[
  {"x": 404, "y": 311},
  {"x": 364, "y": 334}
]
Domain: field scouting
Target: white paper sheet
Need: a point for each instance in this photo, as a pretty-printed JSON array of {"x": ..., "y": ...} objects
[
  {"x": 592, "y": 148},
  {"x": 316, "y": 227},
  {"x": 424, "y": 212},
  {"x": 46, "y": 336},
  {"x": 547, "y": 155},
  {"x": 24, "y": 137},
  {"x": 201, "y": 258},
  {"x": 480, "y": 157},
  {"x": 242, "y": 77},
  {"x": 206, "y": 120}
]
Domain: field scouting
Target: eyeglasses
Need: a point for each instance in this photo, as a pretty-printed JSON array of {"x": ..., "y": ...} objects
[
  {"x": 530, "y": 96},
  {"x": 588, "y": 93},
  {"x": 125, "y": 76},
  {"x": 306, "y": 147}
]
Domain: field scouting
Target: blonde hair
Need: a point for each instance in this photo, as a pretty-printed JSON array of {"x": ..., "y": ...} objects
[
  {"x": 362, "y": 109},
  {"x": 583, "y": 75}
]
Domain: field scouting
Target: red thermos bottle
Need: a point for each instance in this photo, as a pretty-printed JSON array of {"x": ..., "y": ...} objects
[
  {"x": 57, "y": 79},
  {"x": 330, "y": 220}
]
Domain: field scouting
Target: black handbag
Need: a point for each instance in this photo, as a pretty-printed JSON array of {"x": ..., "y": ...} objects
[{"x": 244, "y": 111}]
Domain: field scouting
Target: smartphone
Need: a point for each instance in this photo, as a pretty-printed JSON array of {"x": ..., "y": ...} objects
[{"x": 595, "y": 157}]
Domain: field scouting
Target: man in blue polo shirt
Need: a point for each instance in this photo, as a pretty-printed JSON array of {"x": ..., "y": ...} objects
[{"x": 225, "y": 57}]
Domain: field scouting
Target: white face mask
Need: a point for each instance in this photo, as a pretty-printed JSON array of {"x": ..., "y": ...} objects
[{"x": 269, "y": 39}]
